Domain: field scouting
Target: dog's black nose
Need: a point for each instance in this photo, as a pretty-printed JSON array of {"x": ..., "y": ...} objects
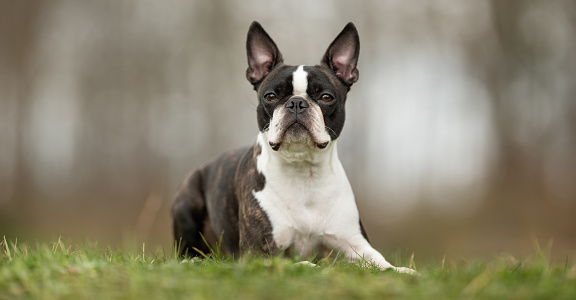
[{"x": 296, "y": 105}]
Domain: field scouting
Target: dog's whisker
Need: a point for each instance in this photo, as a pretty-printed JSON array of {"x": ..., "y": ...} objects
[
  {"x": 331, "y": 130},
  {"x": 266, "y": 127}
]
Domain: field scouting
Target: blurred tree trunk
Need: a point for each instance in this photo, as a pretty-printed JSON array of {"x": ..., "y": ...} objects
[
  {"x": 515, "y": 180},
  {"x": 18, "y": 24},
  {"x": 509, "y": 174}
]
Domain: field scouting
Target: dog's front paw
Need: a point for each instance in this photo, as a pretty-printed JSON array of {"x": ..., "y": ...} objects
[
  {"x": 405, "y": 271},
  {"x": 305, "y": 263}
]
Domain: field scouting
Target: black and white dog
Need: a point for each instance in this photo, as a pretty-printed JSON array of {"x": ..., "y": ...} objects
[{"x": 289, "y": 191}]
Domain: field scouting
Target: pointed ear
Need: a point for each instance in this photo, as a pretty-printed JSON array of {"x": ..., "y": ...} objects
[
  {"x": 263, "y": 55},
  {"x": 342, "y": 55}
]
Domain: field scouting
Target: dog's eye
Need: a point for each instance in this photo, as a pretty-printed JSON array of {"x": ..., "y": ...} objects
[
  {"x": 270, "y": 97},
  {"x": 326, "y": 97}
]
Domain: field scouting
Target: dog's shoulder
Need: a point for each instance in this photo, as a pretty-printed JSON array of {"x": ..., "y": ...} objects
[
  {"x": 247, "y": 176},
  {"x": 223, "y": 168}
]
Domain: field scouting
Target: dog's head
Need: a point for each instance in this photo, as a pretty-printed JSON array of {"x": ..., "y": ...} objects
[{"x": 301, "y": 105}]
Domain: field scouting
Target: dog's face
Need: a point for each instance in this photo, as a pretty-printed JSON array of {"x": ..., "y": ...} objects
[{"x": 301, "y": 106}]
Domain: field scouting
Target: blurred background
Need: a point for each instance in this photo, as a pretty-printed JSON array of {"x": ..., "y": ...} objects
[{"x": 460, "y": 137}]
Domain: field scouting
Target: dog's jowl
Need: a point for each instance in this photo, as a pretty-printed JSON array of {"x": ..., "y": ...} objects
[{"x": 288, "y": 191}]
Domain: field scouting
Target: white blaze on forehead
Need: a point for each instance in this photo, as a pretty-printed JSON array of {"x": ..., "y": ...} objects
[{"x": 299, "y": 81}]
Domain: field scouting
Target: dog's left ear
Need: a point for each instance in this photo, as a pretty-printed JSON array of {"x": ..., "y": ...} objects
[{"x": 342, "y": 55}]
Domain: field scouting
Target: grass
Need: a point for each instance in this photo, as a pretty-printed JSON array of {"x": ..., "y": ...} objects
[{"x": 61, "y": 271}]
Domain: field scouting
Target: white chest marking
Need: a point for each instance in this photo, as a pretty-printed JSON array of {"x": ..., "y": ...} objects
[
  {"x": 308, "y": 202},
  {"x": 299, "y": 81}
]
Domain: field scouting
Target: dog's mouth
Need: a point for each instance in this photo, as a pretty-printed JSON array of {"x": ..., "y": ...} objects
[{"x": 297, "y": 133}]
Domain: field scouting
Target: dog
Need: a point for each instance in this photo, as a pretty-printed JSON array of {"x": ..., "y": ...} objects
[{"x": 288, "y": 191}]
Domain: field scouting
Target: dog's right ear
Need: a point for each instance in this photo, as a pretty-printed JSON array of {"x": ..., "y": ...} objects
[{"x": 263, "y": 55}]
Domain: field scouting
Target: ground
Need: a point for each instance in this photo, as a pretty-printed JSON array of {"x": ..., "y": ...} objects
[{"x": 67, "y": 271}]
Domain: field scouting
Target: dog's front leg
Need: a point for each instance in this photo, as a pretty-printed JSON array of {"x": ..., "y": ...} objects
[
  {"x": 357, "y": 248},
  {"x": 255, "y": 232}
]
